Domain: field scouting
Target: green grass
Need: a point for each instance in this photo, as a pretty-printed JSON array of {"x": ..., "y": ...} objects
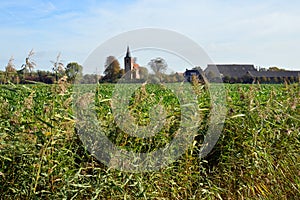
[{"x": 256, "y": 157}]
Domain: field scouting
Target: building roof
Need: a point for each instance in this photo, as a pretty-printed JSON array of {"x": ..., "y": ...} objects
[
  {"x": 135, "y": 66},
  {"x": 231, "y": 70},
  {"x": 272, "y": 74}
]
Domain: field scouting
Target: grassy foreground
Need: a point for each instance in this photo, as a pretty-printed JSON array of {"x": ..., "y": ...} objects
[{"x": 256, "y": 157}]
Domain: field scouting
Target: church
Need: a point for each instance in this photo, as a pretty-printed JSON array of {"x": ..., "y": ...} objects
[{"x": 132, "y": 69}]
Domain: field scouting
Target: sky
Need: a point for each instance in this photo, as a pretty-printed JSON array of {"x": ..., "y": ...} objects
[{"x": 263, "y": 33}]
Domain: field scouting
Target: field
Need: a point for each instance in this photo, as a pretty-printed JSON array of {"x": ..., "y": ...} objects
[{"x": 256, "y": 157}]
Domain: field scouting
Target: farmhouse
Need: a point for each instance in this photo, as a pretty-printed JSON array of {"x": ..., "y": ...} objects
[{"x": 191, "y": 74}]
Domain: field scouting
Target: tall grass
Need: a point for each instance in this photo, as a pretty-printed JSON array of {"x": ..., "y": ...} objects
[{"x": 256, "y": 157}]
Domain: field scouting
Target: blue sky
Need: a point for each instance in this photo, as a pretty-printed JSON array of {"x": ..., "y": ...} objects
[{"x": 265, "y": 33}]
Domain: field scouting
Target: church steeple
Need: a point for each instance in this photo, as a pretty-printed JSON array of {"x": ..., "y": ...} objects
[
  {"x": 127, "y": 61},
  {"x": 128, "y": 52}
]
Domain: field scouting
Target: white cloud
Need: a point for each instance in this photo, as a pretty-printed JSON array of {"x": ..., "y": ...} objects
[{"x": 261, "y": 32}]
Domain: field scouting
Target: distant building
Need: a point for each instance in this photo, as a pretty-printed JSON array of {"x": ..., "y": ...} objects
[
  {"x": 229, "y": 70},
  {"x": 247, "y": 73},
  {"x": 132, "y": 69},
  {"x": 128, "y": 61},
  {"x": 274, "y": 76},
  {"x": 194, "y": 73}
]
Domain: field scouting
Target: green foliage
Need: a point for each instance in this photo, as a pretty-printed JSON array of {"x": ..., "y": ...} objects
[
  {"x": 257, "y": 156},
  {"x": 112, "y": 70},
  {"x": 73, "y": 72},
  {"x": 275, "y": 69},
  {"x": 90, "y": 79}
]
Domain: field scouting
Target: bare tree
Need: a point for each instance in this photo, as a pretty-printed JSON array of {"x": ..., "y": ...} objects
[{"x": 158, "y": 65}]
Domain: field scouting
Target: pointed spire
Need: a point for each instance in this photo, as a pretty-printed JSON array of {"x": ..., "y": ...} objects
[{"x": 128, "y": 52}]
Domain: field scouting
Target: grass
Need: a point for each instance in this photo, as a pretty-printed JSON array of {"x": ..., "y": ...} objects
[{"x": 256, "y": 157}]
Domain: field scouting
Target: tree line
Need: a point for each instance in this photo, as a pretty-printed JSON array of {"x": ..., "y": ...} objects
[
  {"x": 113, "y": 72},
  {"x": 26, "y": 74}
]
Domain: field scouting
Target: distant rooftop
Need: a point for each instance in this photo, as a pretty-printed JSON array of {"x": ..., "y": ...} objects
[
  {"x": 272, "y": 74},
  {"x": 231, "y": 70}
]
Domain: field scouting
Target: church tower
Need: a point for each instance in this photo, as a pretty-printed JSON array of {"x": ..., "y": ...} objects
[{"x": 128, "y": 61}]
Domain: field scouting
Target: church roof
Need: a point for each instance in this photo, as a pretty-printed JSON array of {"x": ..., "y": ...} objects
[{"x": 136, "y": 66}]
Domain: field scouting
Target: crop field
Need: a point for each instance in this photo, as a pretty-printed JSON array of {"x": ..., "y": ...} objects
[{"x": 256, "y": 157}]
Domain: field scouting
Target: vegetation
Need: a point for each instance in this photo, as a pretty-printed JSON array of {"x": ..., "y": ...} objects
[
  {"x": 256, "y": 157},
  {"x": 73, "y": 72},
  {"x": 112, "y": 71},
  {"x": 265, "y": 80},
  {"x": 26, "y": 75},
  {"x": 275, "y": 69}
]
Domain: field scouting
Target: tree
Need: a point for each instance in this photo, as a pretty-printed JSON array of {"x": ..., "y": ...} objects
[
  {"x": 247, "y": 79},
  {"x": 158, "y": 66},
  {"x": 264, "y": 79},
  {"x": 143, "y": 72},
  {"x": 179, "y": 77},
  {"x": 45, "y": 76},
  {"x": 235, "y": 79},
  {"x": 2, "y": 77},
  {"x": 226, "y": 79},
  {"x": 281, "y": 79},
  {"x": 112, "y": 70},
  {"x": 275, "y": 69},
  {"x": 73, "y": 71},
  {"x": 58, "y": 67},
  {"x": 90, "y": 79},
  {"x": 293, "y": 79}
]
